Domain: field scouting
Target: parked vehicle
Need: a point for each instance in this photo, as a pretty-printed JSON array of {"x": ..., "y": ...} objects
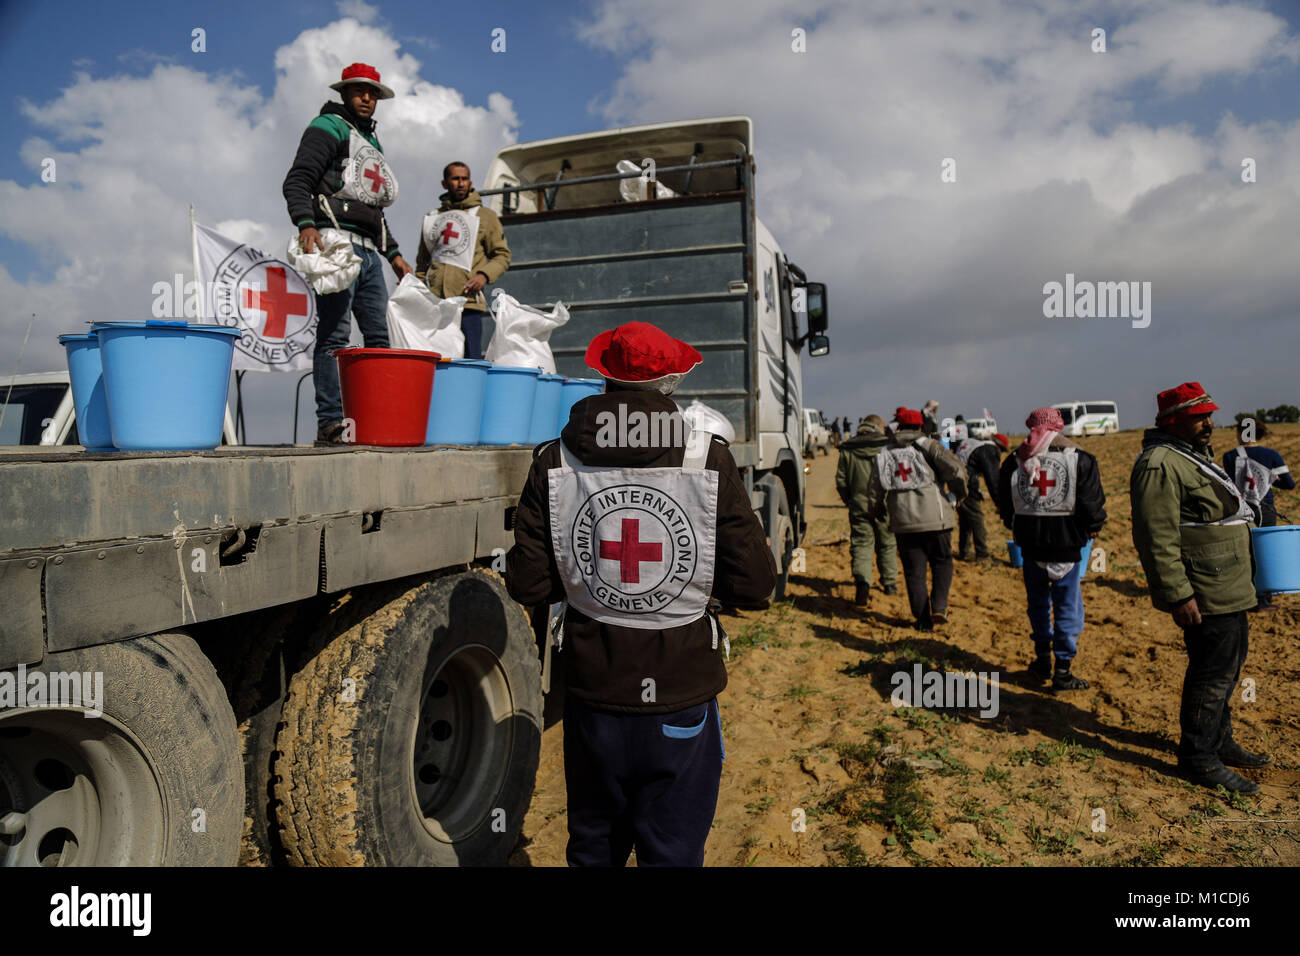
[
  {"x": 1089, "y": 418},
  {"x": 816, "y": 434},
  {"x": 982, "y": 428}
]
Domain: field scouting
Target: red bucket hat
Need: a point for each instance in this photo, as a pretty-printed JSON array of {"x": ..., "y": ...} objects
[
  {"x": 642, "y": 356},
  {"x": 1186, "y": 401},
  {"x": 908, "y": 416},
  {"x": 366, "y": 75}
]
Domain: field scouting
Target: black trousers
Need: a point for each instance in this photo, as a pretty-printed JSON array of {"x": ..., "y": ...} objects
[
  {"x": 970, "y": 522},
  {"x": 918, "y": 552},
  {"x": 644, "y": 780},
  {"x": 1216, "y": 651}
]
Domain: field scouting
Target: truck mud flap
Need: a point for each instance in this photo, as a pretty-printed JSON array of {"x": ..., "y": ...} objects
[{"x": 22, "y": 630}]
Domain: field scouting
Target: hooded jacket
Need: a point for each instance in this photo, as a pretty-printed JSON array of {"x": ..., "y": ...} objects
[
  {"x": 491, "y": 254},
  {"x": 926, "y": 509},
  {"x": 1183, "y": 554},
  {"x": 857, "y": 464},
  {"x": 1051, "y": 537},
  {"x": 606, "y": 664},
  {"x": 318, "y": 170}
]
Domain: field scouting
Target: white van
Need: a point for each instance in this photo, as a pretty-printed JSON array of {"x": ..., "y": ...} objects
[
  {"x": 816, "y": 434},
  {"x": 1089, "y": 418},
  {"x": 982, "y": 428}
]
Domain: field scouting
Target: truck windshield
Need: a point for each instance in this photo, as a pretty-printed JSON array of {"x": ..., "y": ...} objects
[{"x": 26, "y": 411}]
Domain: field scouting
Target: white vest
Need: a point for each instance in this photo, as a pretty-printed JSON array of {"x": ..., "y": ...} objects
[
  {"x": 1051, "y": 490},
  {"x": 452, "y": 236},
  {"x": 1253, "y": 480},
  {"x": 1246, "y": 512},
  {"x": 636, "y": 546},
  {"x": 366, "y": 176},
  {"x": 904, "y": 469},
  {"x": 968, "y": 446}
]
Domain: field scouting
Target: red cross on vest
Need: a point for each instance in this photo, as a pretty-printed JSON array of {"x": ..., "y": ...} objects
[
  {"x": 1042, "y": 483},
  {"x": 903, "y": 471},
  {"x": 1250, "y": 482},
  {"x": 277, "y": 302},
  {"x": 376, "y": 178},
  {"x": 631, "y": 551},
  {"x": 448, "y": 234}
]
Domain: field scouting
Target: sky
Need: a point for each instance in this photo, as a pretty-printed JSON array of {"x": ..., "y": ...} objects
[{"x": 937, "y": 165}]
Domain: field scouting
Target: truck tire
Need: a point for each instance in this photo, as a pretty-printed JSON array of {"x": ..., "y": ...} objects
[
  {"x": 780, "y": 535},
  {"x": 156, "y": 780},
  {"x": 411, "y": 736}
]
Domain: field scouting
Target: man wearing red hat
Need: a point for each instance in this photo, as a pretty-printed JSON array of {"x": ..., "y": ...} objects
[
  {"x": 1191, "y": 527},
  {"x": 339, "y": 179},
  {"x": 1050, "y": 496},
  {"x": 907, "y": 485},
  {"x": 635, "y": 537}
]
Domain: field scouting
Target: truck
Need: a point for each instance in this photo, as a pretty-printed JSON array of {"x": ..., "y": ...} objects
[{"x": 307, "y": 656}]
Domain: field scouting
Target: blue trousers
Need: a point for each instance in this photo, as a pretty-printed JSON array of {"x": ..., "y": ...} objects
[
  {"x": 1062, "y": 599},
  {"x": 367, "y": 299},
  {"x": 471, "y": 323},
  {"x": 644, "y": 780}
]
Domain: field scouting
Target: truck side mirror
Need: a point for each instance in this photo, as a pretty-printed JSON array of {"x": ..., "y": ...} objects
[
  {"x": 818, "y": 320},
  {"x": 819, "y": 345}
]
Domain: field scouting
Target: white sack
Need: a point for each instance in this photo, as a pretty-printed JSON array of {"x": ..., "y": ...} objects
[
  {"x": 418, "y": 319},
  {"x": 699, "y": 416},
  {"x": 522, "y": 334},
  {"x": 333, "y": 267},
  {"x": 637, "y": 190}
]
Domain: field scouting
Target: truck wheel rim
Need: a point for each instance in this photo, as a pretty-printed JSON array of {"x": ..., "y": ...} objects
[
  {"x": 76, "y": 791},
  {"x": 463, "y": 741}
]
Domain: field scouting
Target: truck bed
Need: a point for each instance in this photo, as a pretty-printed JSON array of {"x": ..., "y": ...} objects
[{"x": 101, "y": 547}]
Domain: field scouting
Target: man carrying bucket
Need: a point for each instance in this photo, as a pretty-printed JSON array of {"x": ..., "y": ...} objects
[
  {"x": 636, "y": 536},
  {"x": 339, "y": 179},
  {"x": 1050, "y": 496},
  {"x": 1191, "y": 527},
  {"x": 1256, "y": 471},
  {"x": 462, "y": 249}
]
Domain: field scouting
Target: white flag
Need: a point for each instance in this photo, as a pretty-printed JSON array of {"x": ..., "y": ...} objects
[{"x": 263, "y": 297}]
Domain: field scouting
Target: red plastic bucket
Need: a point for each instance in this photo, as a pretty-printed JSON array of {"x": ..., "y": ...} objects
[{"x": 386, "y": 393}]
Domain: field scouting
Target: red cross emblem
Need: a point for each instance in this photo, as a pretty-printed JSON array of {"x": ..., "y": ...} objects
[
  {"x": 1250, "y": 482},
  {"x": 631, "y": 551},
  {"x": 1042, "y": 483},
  {"x": 448, "y": 234},
  {"x": 376, "y": 178},
  {"x": 903, "y": 471},
  {"x": 277, "y": 302}
]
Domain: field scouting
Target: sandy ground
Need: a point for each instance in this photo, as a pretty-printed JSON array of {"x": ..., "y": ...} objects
[{"x": 823, "y": 770}]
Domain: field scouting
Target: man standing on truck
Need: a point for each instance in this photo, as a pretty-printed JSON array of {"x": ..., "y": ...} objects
[
  {"x": 339, "y": 179},
  {"x": 1191, "y": 528},
  {"x": 1050, "y": 496},
  {"x": 636, "y": 539},
  {"x": 462, "y": 249},
  {"x": 906, "y": 485},
  {"x": 868, "y": 536}
]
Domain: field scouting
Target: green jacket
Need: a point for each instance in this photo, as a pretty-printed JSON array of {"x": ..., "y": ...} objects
[
  {"x": 491, "y": 255},
  {"x": 1182, "y": 560},
  {"x": 923, "y": 510},
  {"x": 857, "y": 462}
]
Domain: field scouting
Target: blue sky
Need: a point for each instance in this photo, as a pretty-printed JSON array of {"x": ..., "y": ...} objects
[{"x": 1115, "y": 167}]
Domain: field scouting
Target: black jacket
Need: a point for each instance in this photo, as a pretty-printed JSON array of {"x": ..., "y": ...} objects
[
  {"x": 605, "y": 664},
  {"x": 318, "y": 170},
  {"x": 1055, "y": 538},
  {"x": 983, "y": 463}
]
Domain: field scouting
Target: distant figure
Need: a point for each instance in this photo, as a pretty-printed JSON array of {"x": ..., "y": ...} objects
[
  {"x": 835, "y": 432},
  {"x": 1050, "y": 496},
  {"x": 1256, "y": 471},
  {"x": 847, "y": 428},
  {"x": 907, "y": 484},
  {"x": 930, "y": 419},
  {"x": 868, "y": 536},
  {"x": 981, "y": 459}
]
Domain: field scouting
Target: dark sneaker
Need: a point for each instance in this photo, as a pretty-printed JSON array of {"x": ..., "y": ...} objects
[
  {"x": 1064, "y": 680},
  {"x": 861, "y": 593},
  {"x": 1235, "y": 755},
  {"x": 891, "y": 589},
  {"x": 331, "y": 434},
  {"x": 1041, "y": 667},
  {"x": 1221, "y": 776},
  {"x": 939, "y": 617}
]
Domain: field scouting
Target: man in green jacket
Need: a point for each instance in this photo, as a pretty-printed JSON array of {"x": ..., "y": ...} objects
[
  {"x": 908, "y": 483},
  {"x": 1191, "y": 528},
  {"x": 462, "y": 249},
  {"x": 867, "y": 535}
]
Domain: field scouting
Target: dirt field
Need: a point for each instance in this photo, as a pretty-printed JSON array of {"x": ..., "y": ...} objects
[{"x": 1082, "y": 777}]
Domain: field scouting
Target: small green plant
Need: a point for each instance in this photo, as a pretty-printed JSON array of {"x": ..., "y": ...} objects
[
  {"x": 760, "y": 806},
  {"x": 994, "y": 774},
  {"x": 1048, "y": 753},
  {"x": 800, "y": 692}
]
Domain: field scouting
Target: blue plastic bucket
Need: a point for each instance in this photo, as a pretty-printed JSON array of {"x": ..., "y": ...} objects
[
  {"x": 1277, "y": 558},
  {"x": 456, "y": 406},
  {"x": 1013, "y": 552},
  {"x": 1083, "y": 559},
  {"x": 166, "y": 382},
  {"x": 87, "y": 376},
  {"x": 573, "y": 391},
  {"x": 546, "y": 405},
  {"x": 508, "y": 405}
]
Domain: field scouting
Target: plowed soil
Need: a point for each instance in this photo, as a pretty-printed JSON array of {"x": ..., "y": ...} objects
[{"x": 823, "y": 770}]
